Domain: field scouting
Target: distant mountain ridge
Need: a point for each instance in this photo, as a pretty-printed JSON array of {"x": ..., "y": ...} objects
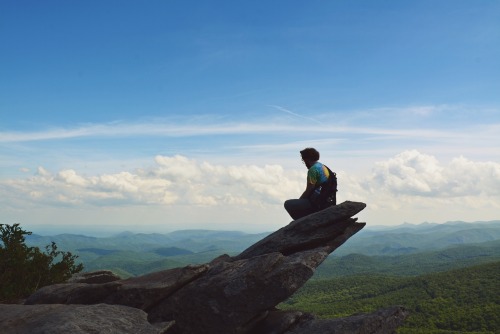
[
  {"x": 133, "y": 254},
  {"x": 410, "y": 239},
  {"x": 190, "y": 240},
  {"x": 374, "y": 240}
]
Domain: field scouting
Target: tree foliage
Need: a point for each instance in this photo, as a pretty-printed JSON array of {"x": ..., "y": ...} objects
[
  {"x": 25, "y": 269},
  {"x": 464, "y": 300}
]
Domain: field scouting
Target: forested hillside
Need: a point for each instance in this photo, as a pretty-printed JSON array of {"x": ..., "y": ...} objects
[
  {"x": 464, "y": 300},
  {"x": 410, "y": 264},
  {"x": 412, "y": 239}
]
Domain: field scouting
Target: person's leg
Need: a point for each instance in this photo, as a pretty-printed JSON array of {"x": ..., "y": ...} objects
[{"x": 298, "y": 208}]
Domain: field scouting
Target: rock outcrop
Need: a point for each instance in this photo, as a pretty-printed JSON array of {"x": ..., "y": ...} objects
[
  {"x": 100, "y": 276},
  {"x": 76, "y": 319},
  {"x": 228, "y": 295}
]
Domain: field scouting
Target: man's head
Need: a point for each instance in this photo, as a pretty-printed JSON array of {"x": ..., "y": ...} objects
[{"x": 309, "y": 156}]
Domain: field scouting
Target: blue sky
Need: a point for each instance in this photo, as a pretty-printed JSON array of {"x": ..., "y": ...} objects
[{"x": 190, "y": 114}]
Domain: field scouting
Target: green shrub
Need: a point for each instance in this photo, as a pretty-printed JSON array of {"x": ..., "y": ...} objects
[{"x": 23, "y": 269}]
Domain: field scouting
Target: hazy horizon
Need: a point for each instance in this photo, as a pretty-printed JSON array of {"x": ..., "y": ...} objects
[{"x": 113, "y": 230}]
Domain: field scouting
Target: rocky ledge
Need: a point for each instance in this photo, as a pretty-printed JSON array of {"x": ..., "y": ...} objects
[{"x": 228, "y": 295}]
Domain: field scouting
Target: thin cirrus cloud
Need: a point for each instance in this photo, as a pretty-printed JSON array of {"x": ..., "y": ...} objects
[
  {"x": 440, "y": 122},
  {"x": 237, "y": 128},
  {"x": 143, "y": 129}
]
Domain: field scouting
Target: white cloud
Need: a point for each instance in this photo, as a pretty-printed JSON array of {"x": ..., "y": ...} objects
[
  {"x": 176, "y": 167},
  {"x": 415, "y": 174},
  {"x": 70, "y": 177},
  {"x": 172, "y": 180},
  {"x": 416, "y": 187},
  {"x": 409, "y": 172},
  {"x": 178, "y": 179},
  {"x": 43, "y": 173}
]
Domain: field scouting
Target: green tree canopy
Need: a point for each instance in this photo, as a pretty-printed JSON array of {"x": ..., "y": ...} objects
[{"x": 23, "y": 269}]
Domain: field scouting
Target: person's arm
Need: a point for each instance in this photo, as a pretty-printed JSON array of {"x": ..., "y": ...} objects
[{"x": 309, "y": 189}]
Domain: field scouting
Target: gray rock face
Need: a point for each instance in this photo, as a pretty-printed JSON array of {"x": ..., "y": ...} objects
[
  {"x": 231, "y": 294},
  {"x": 101, "y": 276},
  {"x": 140, "y": 292},
  {"x": 75, "y": 319},
  {"x": 324, "y": 228}
]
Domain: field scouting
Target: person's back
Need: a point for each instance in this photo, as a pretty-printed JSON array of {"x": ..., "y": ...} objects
[
  {"x": 325, "y": 192},
  {"x": 320, "y": 190}
]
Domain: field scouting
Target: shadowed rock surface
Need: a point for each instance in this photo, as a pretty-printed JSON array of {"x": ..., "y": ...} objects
[
  {"x": 101, "y": 276},
  {"x": 141, "y": 292},
  {"x": 75, "y": 319},
  {"x": 237, "y": 294}
]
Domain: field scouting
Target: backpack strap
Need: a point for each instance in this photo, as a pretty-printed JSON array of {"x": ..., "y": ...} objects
[{"x": 332, "y": 179}]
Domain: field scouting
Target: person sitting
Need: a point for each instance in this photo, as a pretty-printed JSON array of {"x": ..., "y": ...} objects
[{"x": 321, "y": 188}]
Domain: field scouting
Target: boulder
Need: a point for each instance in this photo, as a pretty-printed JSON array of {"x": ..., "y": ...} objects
[
  {"x": 100, "y": 276},
  {"x": 332, "y": 226},
  {"x": 76, "y": 319},
  {"x": 140, "y": 292}
]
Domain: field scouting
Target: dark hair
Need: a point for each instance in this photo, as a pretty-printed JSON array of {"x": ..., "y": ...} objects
[{"x": 310, "y": 153}]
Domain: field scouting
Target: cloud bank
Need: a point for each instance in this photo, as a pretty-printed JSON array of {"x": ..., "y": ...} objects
[
  {"x": 414, "y": 174},
  {"x": 408, "y": 179},
  {"x": 175, "y": 180}
]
